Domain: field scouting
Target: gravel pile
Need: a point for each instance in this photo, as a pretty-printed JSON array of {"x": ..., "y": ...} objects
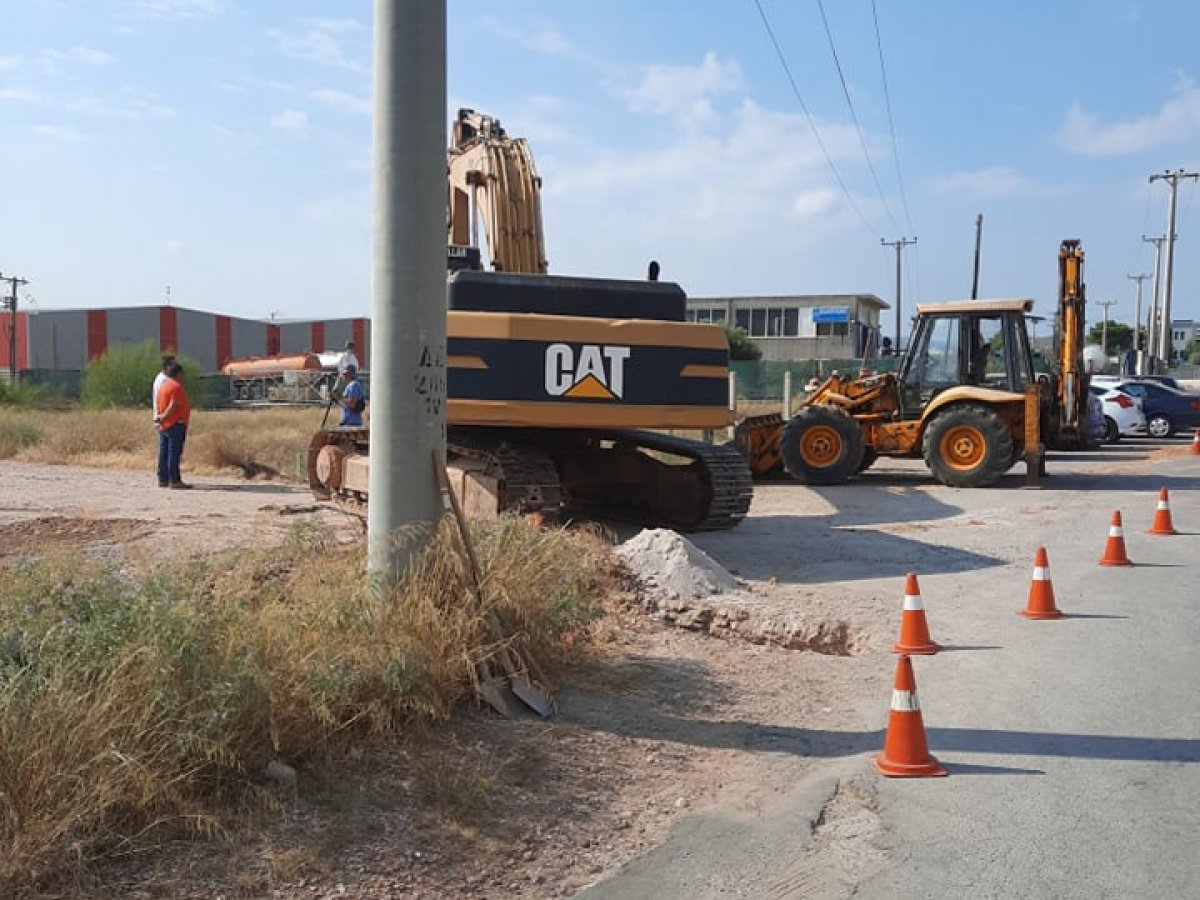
[{"x": 669, "y": 562}]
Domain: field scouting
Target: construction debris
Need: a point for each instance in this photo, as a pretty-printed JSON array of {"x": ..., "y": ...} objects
[{"x": 668, "y": 562}]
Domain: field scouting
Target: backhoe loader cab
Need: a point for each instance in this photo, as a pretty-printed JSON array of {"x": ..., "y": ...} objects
[{"x": 958, "y": 401}]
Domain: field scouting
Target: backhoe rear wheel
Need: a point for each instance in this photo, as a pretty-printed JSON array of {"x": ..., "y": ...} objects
[
  {"x": 822, "y": 445},
  {"x": 968, "y": 446}
]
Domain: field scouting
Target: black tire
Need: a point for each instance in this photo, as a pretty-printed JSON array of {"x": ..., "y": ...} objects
[
  {"x": 868, "y": 460},
  {"x": 1159, "y": 426},
  {"x": 1112, "y": 434},
  {"x": 968, "y": 446},
  {"x": 822, "y": 445}
]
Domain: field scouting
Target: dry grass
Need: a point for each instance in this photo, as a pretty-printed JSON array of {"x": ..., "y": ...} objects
[
  {"x": 138, "y": 708},
  {"x": 251, "y": 442}
]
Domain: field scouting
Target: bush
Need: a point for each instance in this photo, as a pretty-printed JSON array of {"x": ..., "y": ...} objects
[
  {"x": 124, "y": 376},
  {"x": 20, "y": 395},
  {"x": 136, "y": 709}
]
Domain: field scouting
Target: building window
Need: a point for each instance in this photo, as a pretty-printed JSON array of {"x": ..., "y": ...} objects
[
  {"x": 791, "y": 322},
  {"x": 742, "y": 319},
  {"x": 758, "y": 323},
  {"x": 833, "y": 329},
  {"x": 718, "y": 316}
]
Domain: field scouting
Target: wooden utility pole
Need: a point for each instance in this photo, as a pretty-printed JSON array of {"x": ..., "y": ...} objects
[
  {"x": 978, "y": 243},
  {"x": 899, "y": 245},
  {"x": 11, "y": 305}
]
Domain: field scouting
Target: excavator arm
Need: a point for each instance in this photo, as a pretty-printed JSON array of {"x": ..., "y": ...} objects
[
  {"x": 492, "y": 177},
  {"x": 1071, "y": 387}
]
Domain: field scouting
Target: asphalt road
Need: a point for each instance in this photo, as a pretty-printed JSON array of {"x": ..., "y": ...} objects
[{"x": 1072, "y": 745}]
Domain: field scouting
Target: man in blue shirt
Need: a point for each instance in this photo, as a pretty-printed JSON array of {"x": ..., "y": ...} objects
[{"x": 353, "y": 400}]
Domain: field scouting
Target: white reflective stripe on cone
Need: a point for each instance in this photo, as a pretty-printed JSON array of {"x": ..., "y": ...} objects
[
  {"x": 905, "y": 701},
  {"x": 1162, "y": 504},
  {"x": 1116, "y": 531},
  {"x": 1041, "y": 573},
  {"x": 912, "y": 601}
]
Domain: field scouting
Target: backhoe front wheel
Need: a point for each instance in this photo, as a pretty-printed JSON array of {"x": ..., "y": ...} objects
[
  {"x": 968, "y": 446},
  {"x": 822, "y": 445}
]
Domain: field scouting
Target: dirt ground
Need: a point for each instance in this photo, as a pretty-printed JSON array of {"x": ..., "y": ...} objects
[{"x": 679, "y": 713}]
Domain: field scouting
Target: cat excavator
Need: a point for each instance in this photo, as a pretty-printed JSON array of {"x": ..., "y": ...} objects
[{"x": 560, "y": 388}]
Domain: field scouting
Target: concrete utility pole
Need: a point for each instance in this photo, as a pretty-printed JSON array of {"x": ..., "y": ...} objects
[
  {"x": 408, "y": 302},
  {"x": 899, "y": 245},
  {"x": 1173, "y": 179},
  {"x": 11, "y": 305},
  {"x": 1139, "y": 353},
  {"x": 1152, "y": 316},
  {"x": 1104, "y": 328}
]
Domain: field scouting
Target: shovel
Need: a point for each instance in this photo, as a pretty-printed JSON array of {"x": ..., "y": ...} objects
[{"x": 492, "y": 686}]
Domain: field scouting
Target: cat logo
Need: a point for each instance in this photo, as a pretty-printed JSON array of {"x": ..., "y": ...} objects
[{"x": 592, "y": 373}]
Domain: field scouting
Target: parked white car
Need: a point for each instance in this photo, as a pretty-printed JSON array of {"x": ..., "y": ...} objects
[{"x": 1123, "y": 413}]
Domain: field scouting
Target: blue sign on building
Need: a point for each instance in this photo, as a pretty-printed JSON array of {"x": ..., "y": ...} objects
[{"x": 823, "y": 314}]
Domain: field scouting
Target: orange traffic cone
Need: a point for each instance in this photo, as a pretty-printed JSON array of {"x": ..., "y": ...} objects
[
  {"x": 914, "y": 630},
  {"x": 1196, "y": 443},
  {"x": 905, "y": 752},
  {"x": 1114, "y": 547},
  {"x": 1162, "y": 516},
  {"x": 1041, "y": 591}
]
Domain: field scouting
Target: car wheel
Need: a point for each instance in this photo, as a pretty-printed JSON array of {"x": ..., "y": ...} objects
[
  {"x": 1159, "y": 426},
  {"x": 1112, "y": 434}
]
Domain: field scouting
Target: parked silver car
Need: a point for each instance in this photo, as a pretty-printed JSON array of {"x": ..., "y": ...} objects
[{"x": 1123, "y": 414}]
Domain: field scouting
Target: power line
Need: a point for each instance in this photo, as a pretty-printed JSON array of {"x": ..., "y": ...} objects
[
  {"x": 862, "y": 142},
  {"x": 887, "y": 100},
  {"x": 811, "y": 122}
]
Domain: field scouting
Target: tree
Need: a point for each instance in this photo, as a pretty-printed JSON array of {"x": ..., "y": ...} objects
[
  {"x": 1192, "y": 353},
  {"x": 1120, "y": 336},
  {"x": 740, "y": 345}
]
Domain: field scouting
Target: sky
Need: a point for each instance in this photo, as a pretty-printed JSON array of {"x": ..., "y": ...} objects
[{"x": 217, "y": 153}]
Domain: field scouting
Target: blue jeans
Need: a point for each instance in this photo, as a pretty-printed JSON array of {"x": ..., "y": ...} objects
[{"x": 170, "y": 452}]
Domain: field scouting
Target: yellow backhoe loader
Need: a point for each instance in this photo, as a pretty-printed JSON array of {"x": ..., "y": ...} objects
[{"x": 964, "y": 399}]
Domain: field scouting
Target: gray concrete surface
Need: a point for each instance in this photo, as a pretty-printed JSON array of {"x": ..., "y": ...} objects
[{"x": 1073, "y": 746}]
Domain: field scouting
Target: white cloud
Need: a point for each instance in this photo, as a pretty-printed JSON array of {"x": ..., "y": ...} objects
[
  {"x": 544, "y": 38},
  {"x": 986, "y": 184},
  {"x": 57, "y": 133},
  {"x": 1176, "y": 121},
  {"x": 321, "y": 44},
  {"x": 342, "y": 100},
  {"x": 84, "y": 55},
  {"x": 290, "y": 120},
  {"x": 174, "y": 246},
  {"x": 20, "y": 95},
  {"x": 129, "y": 104},
  {"x": 684, "y": 92},
  {"x": 181, "y": 10}
]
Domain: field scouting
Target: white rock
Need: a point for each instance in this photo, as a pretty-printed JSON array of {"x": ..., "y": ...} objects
[{"x": 670, "y": 562}]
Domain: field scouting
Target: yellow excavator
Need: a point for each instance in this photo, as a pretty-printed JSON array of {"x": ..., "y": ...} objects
[
  {"x": 560, "y": 389},
  {"x": 965, "y": 399}
]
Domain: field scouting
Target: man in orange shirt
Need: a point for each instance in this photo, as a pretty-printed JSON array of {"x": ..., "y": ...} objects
[{"x": 172, "y": 414}]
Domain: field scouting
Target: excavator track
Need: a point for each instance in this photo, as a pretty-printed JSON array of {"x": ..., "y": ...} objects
[
  {"x": 622, "y": 475},
  {"x": 527, "y": 475},
  {"x": 642, "y": 477}
]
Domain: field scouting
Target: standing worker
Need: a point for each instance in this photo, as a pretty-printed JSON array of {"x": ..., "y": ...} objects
[
  {"x": 172, "y": 415},
  {"x": 352, "y": 400},
  {"x": 159, "y": 379},
  {"x": 347, "y": 359}
]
